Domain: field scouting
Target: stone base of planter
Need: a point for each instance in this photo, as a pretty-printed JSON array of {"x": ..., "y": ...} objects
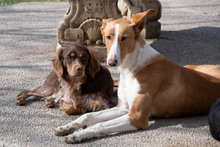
[{"x": 83, "y": 19}]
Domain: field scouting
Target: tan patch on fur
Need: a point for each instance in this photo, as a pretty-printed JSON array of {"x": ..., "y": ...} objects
[
  {"x": 72, "y": 55},
  {"x": 212, "y": 70},
  {"x": 169, "y": 90},
  {"x": 70, "y": 70},
  {"x": 80, "y": 55},
  {"x": 96, "y": 105},
  {"x": 138, "y": 115},
  {"x": 116, "y": 83},
  {"x": 70, "y": 108},
  {"x": 104, "y": 23}
]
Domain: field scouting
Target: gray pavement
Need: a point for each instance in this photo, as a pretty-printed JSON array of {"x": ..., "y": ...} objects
[{"x": 190, "y": 35}]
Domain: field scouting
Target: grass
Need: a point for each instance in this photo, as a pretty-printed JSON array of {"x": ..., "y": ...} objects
[{"x": 11, "y": 2}]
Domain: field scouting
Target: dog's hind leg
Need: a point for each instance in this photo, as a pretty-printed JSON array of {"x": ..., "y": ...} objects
[
  {"x": 40, "y": 92},
  {"x": 49, "y": 88}
]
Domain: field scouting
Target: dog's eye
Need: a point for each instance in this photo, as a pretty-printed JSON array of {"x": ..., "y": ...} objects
[
  {"x": 72, "y": 54},
  {"x": 82, "y": 56},
  {"x": 109, "y": 37},
  {"x": 123, "y": 38}
]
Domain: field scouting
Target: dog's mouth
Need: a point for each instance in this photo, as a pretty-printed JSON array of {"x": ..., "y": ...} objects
[
  {"x": 77, "y": 77},
  {"x": 77, "y": 74}
]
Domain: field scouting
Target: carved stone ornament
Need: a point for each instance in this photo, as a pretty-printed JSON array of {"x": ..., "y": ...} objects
[{"x": 82, "y": 21}]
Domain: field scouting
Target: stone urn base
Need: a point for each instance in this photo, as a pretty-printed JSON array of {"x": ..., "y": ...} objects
[{"x": 83, "y": 19}]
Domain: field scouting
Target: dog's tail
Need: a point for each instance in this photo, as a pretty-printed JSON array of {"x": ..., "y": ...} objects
[{"x": 214, "y": 120}]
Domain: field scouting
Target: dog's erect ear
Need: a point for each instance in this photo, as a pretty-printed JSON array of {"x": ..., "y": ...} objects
[
  {"x": 57, "y": 63},
  {"x": 139, "y": 19},
  {"x": 104, "y": 23},
  {"x": 93, "y": 65}
]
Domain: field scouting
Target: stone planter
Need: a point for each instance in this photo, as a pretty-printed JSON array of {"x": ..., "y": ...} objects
[{"x": 82, "y": 21}]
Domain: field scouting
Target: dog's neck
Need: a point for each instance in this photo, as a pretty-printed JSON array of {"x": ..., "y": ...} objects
[
  {"x": 73, "y": 83},
  {"x": 142, "y": 55}
]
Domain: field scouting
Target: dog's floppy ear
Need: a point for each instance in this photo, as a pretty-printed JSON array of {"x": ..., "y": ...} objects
[
  {"x": 57, "y": 63},
  {"x": 139, "y": 19},
  {"x": 93, "y": 65},
  {"x": 104, "y": 23}
]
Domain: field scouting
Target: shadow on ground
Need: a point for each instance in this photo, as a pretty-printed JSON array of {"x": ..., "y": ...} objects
[{"x": 192, "y": 46}]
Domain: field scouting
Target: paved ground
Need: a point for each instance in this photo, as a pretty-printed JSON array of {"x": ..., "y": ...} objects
[{"x": 190, "y": 35}]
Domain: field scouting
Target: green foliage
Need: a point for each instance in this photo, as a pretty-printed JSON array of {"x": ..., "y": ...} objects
[{"x": 10, "y": 2}]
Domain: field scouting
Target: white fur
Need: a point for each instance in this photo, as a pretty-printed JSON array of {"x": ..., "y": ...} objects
[
  {"x": 127, "y": 90},
  {"x": 115, "y": 51},
  {"x": 119, "y": 124},
  {"x": 107, "y": 121},
  {"x": 138, "y": 58},
  {"x": 114, "y": 119},
  {"x": 128, "y": 86}
]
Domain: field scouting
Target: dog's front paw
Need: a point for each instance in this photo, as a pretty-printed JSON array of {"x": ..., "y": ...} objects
[
  {"x": 62, "y": 131},
  {"x": 71, "y": 139},
  {"x": 49, "y": 102},
  {"x": 20, "y": 101},
  {"x": 21, "y": 98}
]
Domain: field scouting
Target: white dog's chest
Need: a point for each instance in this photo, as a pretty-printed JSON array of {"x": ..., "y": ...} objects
[{"x": 128, "y": 89}]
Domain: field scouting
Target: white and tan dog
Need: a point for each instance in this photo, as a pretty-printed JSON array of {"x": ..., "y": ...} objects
[{"x": 150, "y": 85}]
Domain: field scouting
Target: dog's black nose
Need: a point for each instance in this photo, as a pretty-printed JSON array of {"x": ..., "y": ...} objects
[
  {"x": 112, "y": 62},
  {"x": 78, "y": 68}
]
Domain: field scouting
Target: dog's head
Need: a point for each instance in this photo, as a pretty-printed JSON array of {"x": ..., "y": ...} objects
[
  {"x": 75, "y": 61},
  {"x": 121, "y": 35}
]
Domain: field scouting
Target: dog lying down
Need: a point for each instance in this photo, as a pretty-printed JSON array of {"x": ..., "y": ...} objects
[
  {"x": 150, "y": 85},
  {"x": 78, "y": 79}
]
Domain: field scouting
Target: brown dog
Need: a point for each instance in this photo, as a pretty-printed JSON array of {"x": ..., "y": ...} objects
[
  {"x": 150, "y": 85},
  {"x": 78, "y": 79}
]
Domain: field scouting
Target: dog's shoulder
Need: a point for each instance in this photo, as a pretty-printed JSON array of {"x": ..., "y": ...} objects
[
  {"x": 52, "y": 80},
  {"x": 101, "y": 77}
]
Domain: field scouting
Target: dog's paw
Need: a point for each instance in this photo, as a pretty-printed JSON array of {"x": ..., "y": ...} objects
[
  {"x": 21, "y": 98},
  {"x": 21, "y": 101},
  {"x": 71, "y": 139},
  {"x": 62, "y": 131},
  {"x": 49, "y": 102}
]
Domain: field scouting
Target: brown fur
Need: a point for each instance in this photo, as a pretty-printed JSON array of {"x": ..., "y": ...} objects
[
  {"x": 175, "y": 90},
  {"x": 124, "y": 33},
  {"x": 78, "y": 77},
  {"x": 208, "y": 69},
  {"x": 166, "y": 89}
]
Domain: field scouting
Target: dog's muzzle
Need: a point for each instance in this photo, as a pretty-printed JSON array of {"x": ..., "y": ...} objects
[{"x": 112, "y": 62}]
